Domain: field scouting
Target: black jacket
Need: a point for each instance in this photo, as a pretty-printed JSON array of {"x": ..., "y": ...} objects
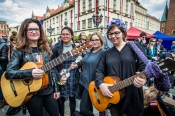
[
  {"x": 19, "y": 58},
  {"x": 3, "y": 55}
]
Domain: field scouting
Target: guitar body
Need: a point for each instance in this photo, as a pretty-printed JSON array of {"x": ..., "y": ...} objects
[
  {"x": 99, "y": 101},
  {"x": 24, "y": 88}
]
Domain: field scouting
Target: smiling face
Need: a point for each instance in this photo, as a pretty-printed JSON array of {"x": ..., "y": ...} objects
[
  {"x": 33, "y": 32},
  {"x": 115, "y": 36},
  {"x": 96, "y": 41},
  {"x": 66, "y": 36}
]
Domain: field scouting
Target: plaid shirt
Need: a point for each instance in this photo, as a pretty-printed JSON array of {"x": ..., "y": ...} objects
[{"x": 69, "y": 88}]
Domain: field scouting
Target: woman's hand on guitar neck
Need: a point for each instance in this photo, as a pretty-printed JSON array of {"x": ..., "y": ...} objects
[
  {"x": 104, "y": 89},
  {"x": 37, "y": 73},
  {"x": 139, "y": 82}
]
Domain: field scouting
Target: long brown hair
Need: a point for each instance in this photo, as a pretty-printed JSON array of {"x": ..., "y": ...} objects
[{"x": 22, "y": 41}]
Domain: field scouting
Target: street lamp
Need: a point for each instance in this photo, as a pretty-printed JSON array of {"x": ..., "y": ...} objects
[
  {"x": 97, "y": 19},
  {"x": 50, "y": 30}
]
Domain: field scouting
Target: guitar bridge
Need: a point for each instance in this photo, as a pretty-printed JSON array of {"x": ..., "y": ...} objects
[{"x": 96, "y": 95}]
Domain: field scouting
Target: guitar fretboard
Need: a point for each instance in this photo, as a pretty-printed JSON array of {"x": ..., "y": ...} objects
[
  {"x": 122, "y": 84},
  {"x": 56, "y": 61}
]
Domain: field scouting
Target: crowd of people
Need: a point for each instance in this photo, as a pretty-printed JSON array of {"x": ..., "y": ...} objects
[{"x": 110, "y": 55}]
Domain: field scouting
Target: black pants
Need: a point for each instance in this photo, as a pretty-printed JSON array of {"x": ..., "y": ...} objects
[
  {"x": 86, "y": 108},
  {"x": 72, "y": 104},
  {"x": 36, "y": 104}
]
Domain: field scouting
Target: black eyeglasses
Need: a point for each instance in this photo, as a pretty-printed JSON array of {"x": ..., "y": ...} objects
[
  {"x": 115, "y": 33},
  {"x": 30, "y": 30},
  {"x": 4, "y": 36},
  {"x": 143, "y": 36},
  {"x": 153, "y": 41}
]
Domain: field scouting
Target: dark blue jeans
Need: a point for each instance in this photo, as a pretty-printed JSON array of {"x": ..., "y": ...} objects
[
  {"x": 36, "y": 104},
  {"x": 86, "y": 108}
]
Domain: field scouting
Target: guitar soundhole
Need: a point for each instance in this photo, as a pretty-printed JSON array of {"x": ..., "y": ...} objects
[{"x": 27, "y": 81}]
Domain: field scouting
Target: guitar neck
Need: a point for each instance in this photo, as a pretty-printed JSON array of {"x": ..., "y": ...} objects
[
  {"x": 56, "y": 61},
  {"x": 125, "y": 83}
]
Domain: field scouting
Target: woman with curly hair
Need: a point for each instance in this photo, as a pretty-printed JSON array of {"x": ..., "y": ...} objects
[{"x": 32, "y": 46}]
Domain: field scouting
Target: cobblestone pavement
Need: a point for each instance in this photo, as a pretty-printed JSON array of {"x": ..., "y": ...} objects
[{"x": 67, "y": 112}]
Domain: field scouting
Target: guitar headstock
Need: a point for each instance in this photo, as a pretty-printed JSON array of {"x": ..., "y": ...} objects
[
  {"x": 167, "y": 65},
  {"x": 81, "y": 48}
]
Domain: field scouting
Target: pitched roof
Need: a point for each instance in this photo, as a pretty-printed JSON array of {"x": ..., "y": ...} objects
[{"x": 165, "y": 14}]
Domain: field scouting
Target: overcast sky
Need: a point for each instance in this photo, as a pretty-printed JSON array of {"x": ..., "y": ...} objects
[{"x": 15, "y": 11}]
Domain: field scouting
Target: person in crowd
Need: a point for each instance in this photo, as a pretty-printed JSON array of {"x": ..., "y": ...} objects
[
  {"x": 152, "y": 50},
  {"x": 59, "y": 41},
  {"x": 107, "y": 43},
  {"x": 89, "y": 64},
  {"x": 160, "y": 47},
  {"x": 32, "y": 46},
  {"x": 123, "y": 62},
  {"x": 141, "y": 43},
  {"x": 3, "y": 62},
  {"x": 13, "y": 40},
  {"x": 67, "y": 90},
  {"x": 82, "y": 37},
  {"x": 173, "y": 46}
]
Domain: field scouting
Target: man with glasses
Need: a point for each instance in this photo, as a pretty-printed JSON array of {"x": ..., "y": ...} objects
[
  {"x": 160, "y": 47},
  {"x": 3, "y": 62},
  {"x": 141, "y": 42}
]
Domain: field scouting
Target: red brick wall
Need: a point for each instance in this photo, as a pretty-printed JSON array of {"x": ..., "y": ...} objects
[{"x": 171, "y": 18}]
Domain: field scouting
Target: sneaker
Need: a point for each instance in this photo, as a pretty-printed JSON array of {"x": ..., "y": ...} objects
[{"x": 2, "y": 104}]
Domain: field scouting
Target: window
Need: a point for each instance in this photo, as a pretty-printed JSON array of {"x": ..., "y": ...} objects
[
  {"x": 53, "y": 20},
  {"x": 90, "y": 23},
  {"x": 65, "y": 15},
  {"x": 57, "y": 19},
  {"x": 83, "y": 24},
  {"x": 162, "y": 30},
  {"x": 114, "y": 5},
  {"x": 84, "y": 5},
  {"x": 57, "y": 30},
  {"x": 127, "y": 2},
  {"x": 90, "y": 4},
  {"x": 163, "y": 25},
  {"x": 173, "y": 32}
]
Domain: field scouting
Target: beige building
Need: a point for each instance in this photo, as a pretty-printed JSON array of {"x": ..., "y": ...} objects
[
  {"x": 4, "y": 29},
  {"x": 144, "y": 21},
  {"x": 78, "y": 14}
]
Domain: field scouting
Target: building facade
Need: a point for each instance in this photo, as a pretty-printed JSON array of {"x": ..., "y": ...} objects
[
  {"x": 4, "y": 29},
  {"x": 144, "y": 21},
  {"x": 168, "y": 19},
  {"x": 93, "y": 15}
]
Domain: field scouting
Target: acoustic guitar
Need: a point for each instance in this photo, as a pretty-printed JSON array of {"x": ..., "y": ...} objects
[
  {"x": 101, "y": 102},
  {"x": 17, "y": 92}
]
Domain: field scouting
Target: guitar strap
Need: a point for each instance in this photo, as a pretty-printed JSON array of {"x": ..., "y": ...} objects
[{"x": 161, "y": 80}]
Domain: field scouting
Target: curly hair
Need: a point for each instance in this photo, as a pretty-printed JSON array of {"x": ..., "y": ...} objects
[{"x": 23, "y": 43}]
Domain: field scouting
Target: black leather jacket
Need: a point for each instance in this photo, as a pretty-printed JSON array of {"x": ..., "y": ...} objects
[
  {"x": 3, "y": 55},
  {"x": 19, "y": 58}
]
